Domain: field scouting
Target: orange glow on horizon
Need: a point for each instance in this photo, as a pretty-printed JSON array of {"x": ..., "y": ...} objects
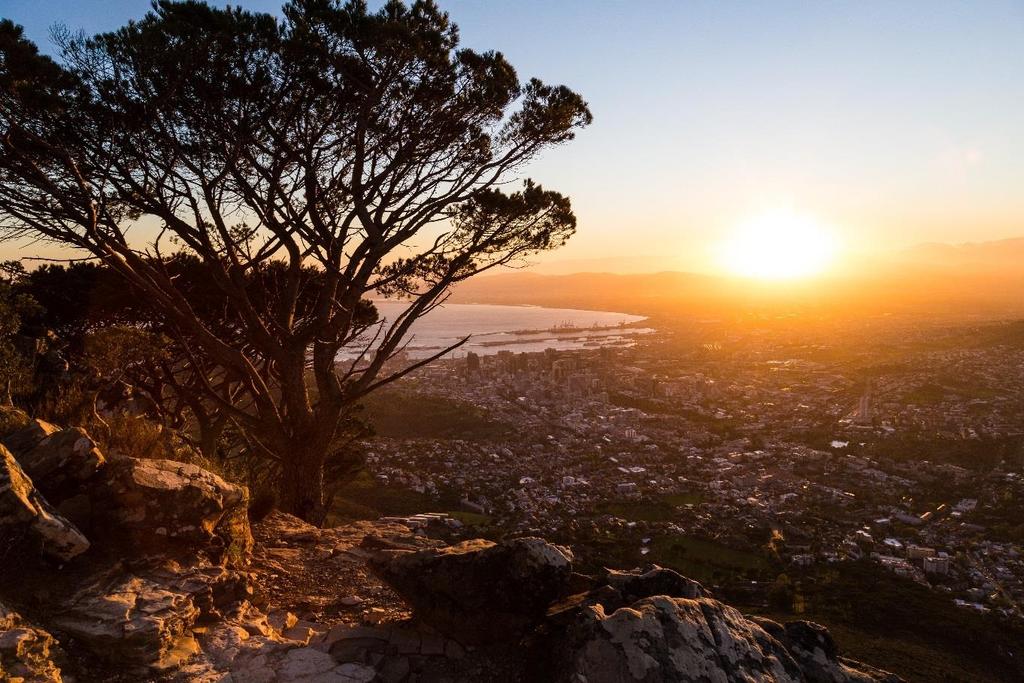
[{"x": 779, "y": 245}]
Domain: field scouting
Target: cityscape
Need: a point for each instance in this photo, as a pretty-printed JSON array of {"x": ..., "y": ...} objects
[{"x": 803, "y": 451}]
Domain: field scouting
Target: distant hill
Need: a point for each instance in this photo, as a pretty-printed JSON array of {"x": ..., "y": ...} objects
[
  {"x": 1007, "y": 255},
  {"x": 983, "y": 279},
  {"x": 587, "y": 290}
]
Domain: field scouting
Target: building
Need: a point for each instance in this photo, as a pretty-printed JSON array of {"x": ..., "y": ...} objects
[
  {"x": 917, "y": 552},
  {"x": 937, "y": 565}
]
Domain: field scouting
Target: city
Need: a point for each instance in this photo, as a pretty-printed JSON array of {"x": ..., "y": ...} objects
[{"x": 779, "y": 454}]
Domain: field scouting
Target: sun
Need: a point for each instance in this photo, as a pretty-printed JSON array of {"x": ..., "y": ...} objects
[{"x": 779, "y": 245}]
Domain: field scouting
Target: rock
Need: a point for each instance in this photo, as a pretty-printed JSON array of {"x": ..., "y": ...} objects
[
  {"x": 812, "y": 646},
  {"x": 431, "y": 644},
  {"x": 684, "y": 640},
  {"x": 300, "y": 633},
  {"x": 394, "y": 670},
  {"x": 405, "y": 641},
  {"x": 478, "y": 591},
  {"x": 26, "y": 519},
  {"x": 78, "y": 510},
  {"x": 231, "y": 650},
  {"x": 305, "y": 664},
  {"x": 135, "y": 623},
  {"x": 354, "y": 673},
  {"x": 26, "y": 652},
  {"x": 352, "y": 643},
  {"x": 653, "y": 580},
  {"x": 619, "y": 589},
  {"x": 282, "y": 620},
  {"x": 27, "y": 437},
  {"x": 62, "y": 462},
  {"x": 313, "y": 666},
  {"x": 375, "y": 616},
  {"x": 142, "y": 618},
  {"x": 567, "y": 610},
  {"x": 11, "y": 420},
  {"x": 162, "y": 504}
]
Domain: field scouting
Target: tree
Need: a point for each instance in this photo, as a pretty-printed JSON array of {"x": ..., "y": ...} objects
[
  {"x": 121, "y": 350},
  {"x": 364, "y": 145},
  {"x": 15, "y": 307}
]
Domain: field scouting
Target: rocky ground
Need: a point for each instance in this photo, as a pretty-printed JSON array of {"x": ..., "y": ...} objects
[{"x": 148, "y": 570}]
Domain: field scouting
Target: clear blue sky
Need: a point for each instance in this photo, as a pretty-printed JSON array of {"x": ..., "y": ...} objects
[{"x": 893, "y": 122}]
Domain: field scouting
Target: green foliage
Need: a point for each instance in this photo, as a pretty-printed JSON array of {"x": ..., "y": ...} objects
[
  {"x": 364, "y": 494},
  {"x": 474, "y": 519},
  {"x": 340, "y": 134},
  {"x": 16, "y": 308},
  {"x": 404, "y": 415},
  {"x": 365, "y": 498},
  {"x": 704, "y": 559},
  {"x": 781, "y": 594},
  {"x": 657, "y": 509}
]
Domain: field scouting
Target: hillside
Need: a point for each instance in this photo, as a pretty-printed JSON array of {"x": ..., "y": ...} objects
[{"x": 126, "y": 569}]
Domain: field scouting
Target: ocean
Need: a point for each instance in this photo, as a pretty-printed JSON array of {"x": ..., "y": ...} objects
[{"x": 516, "y": 328}]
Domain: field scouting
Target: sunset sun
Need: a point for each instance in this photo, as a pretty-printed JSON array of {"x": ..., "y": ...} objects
[{"x": 778, "y": 245}]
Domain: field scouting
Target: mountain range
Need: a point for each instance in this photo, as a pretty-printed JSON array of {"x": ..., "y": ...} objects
[{"x": 974, "y": 279}]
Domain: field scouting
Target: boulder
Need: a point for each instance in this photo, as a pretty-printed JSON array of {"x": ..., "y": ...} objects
[
  {"x": 812, "y": 646},
  {"x": 11, "y": 420},
  {"x": 653, "y": 580},
  {"x": 25, "y": 438},
  {"x": 62, "y": 462},
  {"x": 479, "y": 591},
  {"x": 141, "y": 618},
  {"x": 28, "y": 520},
  {"x": 26, "y": 651},
  {"x": 621, "y": 588},
  {"x": 684, "y": 640},
  {"x": 165, "y": 506}
]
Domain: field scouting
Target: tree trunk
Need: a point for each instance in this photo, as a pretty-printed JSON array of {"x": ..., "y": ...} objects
[
  {"x": 301, "y": 489},
  {"x": 210, "y": 432}
]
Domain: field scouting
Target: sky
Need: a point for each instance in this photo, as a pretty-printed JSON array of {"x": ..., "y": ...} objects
[{"x": 888, "y": 124}]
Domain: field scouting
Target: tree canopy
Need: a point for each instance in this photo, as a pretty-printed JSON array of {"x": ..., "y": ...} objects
[{"x": 367, "y": 146}]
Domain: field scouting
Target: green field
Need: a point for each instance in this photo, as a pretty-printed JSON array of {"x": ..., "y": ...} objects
[
  {"x": 705, "y": 560},
  {"x": 702, "y": 559},
  {"x": 412, "y": 415},
  {"x": 659, "y": 509},
  {"x": 365, "y": 498}
]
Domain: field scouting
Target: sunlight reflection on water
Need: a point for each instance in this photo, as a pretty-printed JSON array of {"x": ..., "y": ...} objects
[{"x": 516, "y": 328}]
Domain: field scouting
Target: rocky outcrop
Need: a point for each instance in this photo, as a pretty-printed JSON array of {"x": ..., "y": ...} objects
[
  {"x": 27, "y": 652},
  {"x": 641, "y": 626},
  {"x": 672, "y": 639},
  {"x": 812, "y": 646},
  {"x": 142, "y": 618},
  {"x": 12, "y": 420},
  {"x": 479, "y": 591},
  {"x": 28, "y": 522},
  {"x": 62, "y": 462},
  {"x": 150, "y": 506},
  {"x": 23, "y": 432},
  {"x": 652, "y": 580},
  {"x": 173, "y": 590},
  {"x": 165, "y": 536},
  {"x": 162, "y": 505}
]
